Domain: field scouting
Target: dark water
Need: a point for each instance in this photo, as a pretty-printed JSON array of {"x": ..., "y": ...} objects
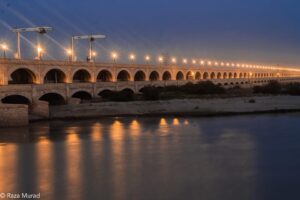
[{"x": 228, "y": 158}]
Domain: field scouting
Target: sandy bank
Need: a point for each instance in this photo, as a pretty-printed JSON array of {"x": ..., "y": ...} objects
[{"x": 179, "y": 107}]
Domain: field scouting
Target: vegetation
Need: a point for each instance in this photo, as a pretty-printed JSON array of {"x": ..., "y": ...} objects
[
  {"x": 206, "y": 89},
  {"x": 124, "y": 95},
  {"x": 187, "y": 90},
  {"x": 273, "y": 87},
  {"x": 292, "y": 89}
]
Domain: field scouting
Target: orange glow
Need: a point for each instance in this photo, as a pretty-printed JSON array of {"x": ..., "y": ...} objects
[
  {"x": 163, "y": 122},
  {"x": 176, "y": 122},
  {"x": 97, "y": 132},
  {"x": 135, "y": 128}
]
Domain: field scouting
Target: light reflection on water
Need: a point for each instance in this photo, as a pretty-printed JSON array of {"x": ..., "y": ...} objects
[{"x": 148, "y": 158}]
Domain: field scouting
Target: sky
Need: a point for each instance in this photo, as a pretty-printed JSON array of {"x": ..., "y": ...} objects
[{"x": 251, "y": 31}]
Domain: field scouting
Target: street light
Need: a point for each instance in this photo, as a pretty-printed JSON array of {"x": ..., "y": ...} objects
[
  {"x": 132, "y": 57},
  {"x": 194, "y": 62},
  {"x": 147, "y": 58},
  {"x": 184, "y": 61},
  {"x": 4, "y": 48},
  {"x": 114, "y": 56},
  {"x": 174, "y": 60},
  {"x": 69, "y": 53},
  {"x": 160, "y": 59},
  {"x": 40, "y": 52}
]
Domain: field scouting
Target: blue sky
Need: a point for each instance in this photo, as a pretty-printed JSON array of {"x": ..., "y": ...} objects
[{"x": 257, "y": 31}]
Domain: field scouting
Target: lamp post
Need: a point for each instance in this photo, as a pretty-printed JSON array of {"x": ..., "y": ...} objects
[
  {"x": 4, "y": 48},
  {"x": 147, "y": 58},
  {"x": 131, "y": 57},
  {"x": 114, "y": 56},
  {"x": 174, "y": 60},
  {"x": 160, "y": 59},
  {"x": 40, "y": 52},
  {"x": 69, "y": 53}
]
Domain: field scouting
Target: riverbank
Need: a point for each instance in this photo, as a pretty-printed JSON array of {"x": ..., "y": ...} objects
[{"x": 181, "y": 107}]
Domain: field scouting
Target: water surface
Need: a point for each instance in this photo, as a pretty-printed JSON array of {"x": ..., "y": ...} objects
[{"x": 228, "y": 158}]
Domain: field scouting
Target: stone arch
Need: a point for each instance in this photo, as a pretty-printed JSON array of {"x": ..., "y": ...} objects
[
  {"x": 105, "y": 93},
  {"x": 205, "y": 75},
  {"x": 140, "y": 76},
  {"x": 22, "y": 76},
  {"x": 190, "y": 75},
  {"x": 167, "y": 76},
  {"x": 82, "y": 76},
  {"x": 230, "y": 75},
  {"x": 179, "y": 76},
  {"x": 212, "y": 75},
  {"x": 225, "y": 75},
  {"x": 15, "y": 99},
  {"x": 219, "y": 75},
  {"x": 123, "y": 75},
  {"x": 104, "y": 76},
  {"x": 83, "y": 95},
  {"x": 235, "y": 75},
  {"x": 241, "y": 75},
  {"x": 53, "y": 98},
  {"x": 154, "y": 76},
  {"x": 198, "y": 76},
  {"x": 55, "y": 76},
  {"x": 129, "y": 90}
]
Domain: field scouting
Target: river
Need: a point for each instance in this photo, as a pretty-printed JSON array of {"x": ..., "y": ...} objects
[{"x": 239, "y": 157}]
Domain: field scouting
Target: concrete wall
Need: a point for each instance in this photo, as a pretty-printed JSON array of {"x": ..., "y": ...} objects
[
  {"x": 40, "y": 108},
  {"x": 13, "y": 115}
]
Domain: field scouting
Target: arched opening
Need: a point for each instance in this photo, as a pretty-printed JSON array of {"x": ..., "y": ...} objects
[
  {"x": 104, "y": 76},
  {"x": 235, "y": 75},
  {"x": 22, "y": 76},
  {"x": 128, "y": 90},
  {"x": 212, "y": 75},
  {"x": 83, "y": 95},
  {"x": 16, "y": 99},
  {"x": 179, "y": 76},
  {"x": 198, "y": 76},
  {"x": 245, "y": 75},
  {"x": 167, "y": 76},
  {"x": 241, "y": 75},
  {"x": 190, "y": 76},
  {"x": 82, "y": 76},
  {"x": 55, "y": 76},
  {"x": 123, "y": 76},
  {"x": 219, "y": 76},
  {"x": 140, "y": 76},
  {"x": 105, "y": 94},
  {"x": 230, "y": 75},
  {"x": 53, "y": 99},
  {"x": 225, "y": 75},
  {"x": 154, "y": 76},
  {"x": 205, "y": 75}
]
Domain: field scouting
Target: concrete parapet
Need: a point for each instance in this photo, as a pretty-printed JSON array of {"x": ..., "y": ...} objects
[{"x": 13, "y": 115}]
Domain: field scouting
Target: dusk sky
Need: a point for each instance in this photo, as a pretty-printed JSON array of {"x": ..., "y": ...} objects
[{"x": 255, "y": 31}]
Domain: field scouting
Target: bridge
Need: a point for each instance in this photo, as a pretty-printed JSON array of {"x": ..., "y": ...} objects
[{"x": 42, "y": 80}]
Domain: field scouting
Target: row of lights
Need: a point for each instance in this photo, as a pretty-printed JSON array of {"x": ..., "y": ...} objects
[{"x": 114, "y": 55}]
